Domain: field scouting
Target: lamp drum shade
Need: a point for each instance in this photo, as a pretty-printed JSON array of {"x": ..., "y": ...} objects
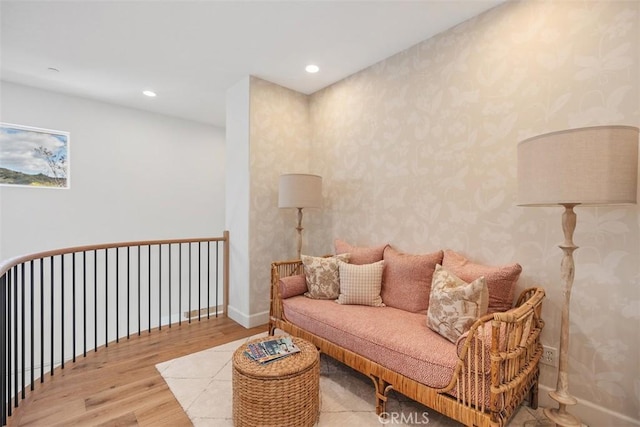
[
  {"x": 300, "y": 191},
  {"x": 588, "y": 166}
]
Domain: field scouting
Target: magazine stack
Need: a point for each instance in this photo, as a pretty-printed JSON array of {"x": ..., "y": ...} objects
[{"x": 270, "y": 350}]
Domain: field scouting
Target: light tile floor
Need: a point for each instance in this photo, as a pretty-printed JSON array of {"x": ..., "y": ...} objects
[{"x": 201, "y": 383}]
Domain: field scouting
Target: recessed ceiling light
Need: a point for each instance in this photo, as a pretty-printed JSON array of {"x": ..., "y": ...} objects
[
  {"x": 311, "y": 68},
  {"x": 149, "y": 93}
]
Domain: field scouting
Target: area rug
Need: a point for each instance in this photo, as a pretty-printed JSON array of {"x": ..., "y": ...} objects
[{"x": 201, "y": 382}]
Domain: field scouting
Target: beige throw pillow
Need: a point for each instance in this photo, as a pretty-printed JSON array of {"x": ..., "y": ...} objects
[
  {"x": 360, "y": 284},
  {"x": 323, "y": 281},
  {"x": 454, "y": 305}
]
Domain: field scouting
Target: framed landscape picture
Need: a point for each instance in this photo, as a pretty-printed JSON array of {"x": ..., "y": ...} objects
[{"x": 33, "y": 157}]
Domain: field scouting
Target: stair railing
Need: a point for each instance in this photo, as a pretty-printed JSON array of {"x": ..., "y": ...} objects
[{"x": 56, "y": 306}]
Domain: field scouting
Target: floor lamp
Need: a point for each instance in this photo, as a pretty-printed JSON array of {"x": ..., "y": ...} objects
[
  {"x": 588, "y": 166},
  {"x": 300, "y": 191}
]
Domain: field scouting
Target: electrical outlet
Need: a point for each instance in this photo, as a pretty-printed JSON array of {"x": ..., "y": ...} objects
[{"x": 549, "y": 356}]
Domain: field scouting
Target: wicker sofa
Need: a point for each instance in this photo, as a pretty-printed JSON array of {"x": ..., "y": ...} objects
[{"x": 479, "y": 380}]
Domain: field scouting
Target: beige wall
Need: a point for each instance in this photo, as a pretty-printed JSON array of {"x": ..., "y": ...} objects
[
  {"x": 280, "y": 143},
  {"x": 419, "y": 151}
]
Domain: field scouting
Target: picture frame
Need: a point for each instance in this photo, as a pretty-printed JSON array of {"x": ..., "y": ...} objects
[{"x": 34, "y": 157}]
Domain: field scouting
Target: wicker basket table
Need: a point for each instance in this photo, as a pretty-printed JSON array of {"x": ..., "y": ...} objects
[{"x": 282, "y": 393}]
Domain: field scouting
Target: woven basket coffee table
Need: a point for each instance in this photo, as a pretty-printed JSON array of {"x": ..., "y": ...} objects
[{"x": 282, "y": 393}]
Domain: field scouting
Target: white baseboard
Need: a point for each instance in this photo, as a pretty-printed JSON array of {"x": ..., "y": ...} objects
[
  {"x": 248, "y": 321},
  {"x": 590, "y": 414}
]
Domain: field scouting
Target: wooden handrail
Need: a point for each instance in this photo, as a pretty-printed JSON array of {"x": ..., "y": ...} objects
[{"x": 9, "y": 263}]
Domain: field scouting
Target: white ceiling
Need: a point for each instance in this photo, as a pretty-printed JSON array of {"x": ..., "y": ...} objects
[{"x": 190, "y": 52}]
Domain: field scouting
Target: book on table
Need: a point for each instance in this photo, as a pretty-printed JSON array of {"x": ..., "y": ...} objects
[{"x": 271, "y": 350}]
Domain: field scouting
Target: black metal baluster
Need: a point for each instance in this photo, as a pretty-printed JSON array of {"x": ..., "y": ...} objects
[
  {"x": 170, "y": 262},
  {"x": 32, "y": 283},
  {"x": 159, "y": 287},
  {"x": 84, "y": 301},
  {"x": 41, "y": 320},
  {"x": 106, "y": 297},
  {"x": 52, "y": 313},
  {"x": 190, "y": 282},
  {"x": 23, "y": 315},
  {"x": 128, "y": 292},
  {"x": 3, "y": 349},
  {"x": 73, "y": 304},
  {"x": 16, "y": 337},
  {"x": 62, "y": 310},
  {"x": 117, "y": 294},
  {"x": 179, "y": 283},
  {"x": 199, "y": 279},
  {"x": 95, "y": 300},
  {"x": 149, "y": 282},
  {"x": 9, "y": 347},
  {"x": 139, "y": 306},
  {"x": 217, "y": 274},
  {"x": 208, "y": 280}
]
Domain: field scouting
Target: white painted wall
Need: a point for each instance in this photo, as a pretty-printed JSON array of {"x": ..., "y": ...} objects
[
  {"x": 237, "y": 200},
  {"x": 134, "y": 175}
]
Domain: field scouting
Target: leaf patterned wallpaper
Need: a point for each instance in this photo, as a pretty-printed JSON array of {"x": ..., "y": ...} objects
[
  {"x": 419, "y": 151},
  {"x": 279, "y": 143}
]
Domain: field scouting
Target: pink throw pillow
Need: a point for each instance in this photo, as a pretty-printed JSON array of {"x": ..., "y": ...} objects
[
  {"x": 501, "y": 280},
  {"x": 291, "y": 286},
  {"x": 406, "y": 280},
  {"x": 360, "y": 255}
]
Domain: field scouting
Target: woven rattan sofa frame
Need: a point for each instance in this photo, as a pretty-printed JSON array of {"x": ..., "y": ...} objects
[{"x": 514, "y": 356}]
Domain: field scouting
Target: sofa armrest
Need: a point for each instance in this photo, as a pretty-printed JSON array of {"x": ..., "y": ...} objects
[
  {"x": 516, "y": 349},
  {"x": 279, "y": 270},
  {"x": 504, "y": 345}
]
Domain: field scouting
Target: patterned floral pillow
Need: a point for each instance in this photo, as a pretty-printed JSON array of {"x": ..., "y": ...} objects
[
  {"x": 323, "y": 281},
  {"x": 454, "y": 305},
  {"x": 360, "y": 284}
]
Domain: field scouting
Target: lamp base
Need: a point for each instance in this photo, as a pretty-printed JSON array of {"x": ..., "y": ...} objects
[
  {"x": 554, "y": 419},
  {"x": 539, "y": 423},
  {"x": 562, "y": 418}
]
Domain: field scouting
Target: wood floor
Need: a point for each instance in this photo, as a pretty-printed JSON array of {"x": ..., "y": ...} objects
[{"x": 119, "y": 385}]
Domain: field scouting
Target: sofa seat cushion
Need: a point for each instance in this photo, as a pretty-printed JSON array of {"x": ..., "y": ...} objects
[{"x": 396, "y": 339}]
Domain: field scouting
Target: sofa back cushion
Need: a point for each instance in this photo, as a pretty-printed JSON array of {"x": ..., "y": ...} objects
[
  {"x": 406, "y": 280},
  {"x": 360, "y": 284},
  {"x": 360, "y": 255},
  {"x": 501, "y": 280}
]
